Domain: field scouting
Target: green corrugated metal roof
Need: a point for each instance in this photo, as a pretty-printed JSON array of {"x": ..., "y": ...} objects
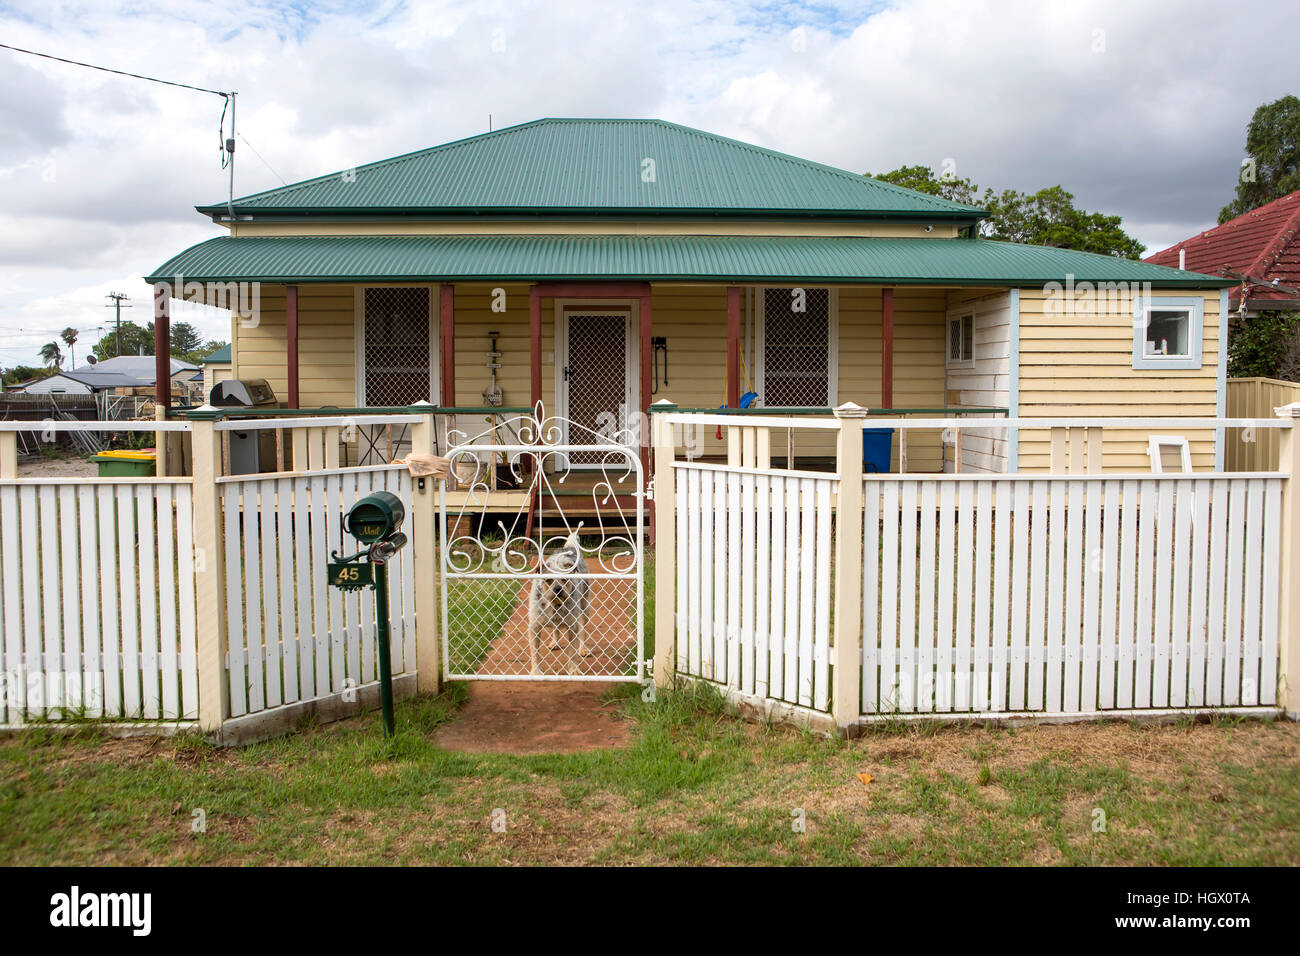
[
  {"x": 725, "y": 258},
  {"x": 219, "y": 356},
  {"x": 595, "y": 167}
]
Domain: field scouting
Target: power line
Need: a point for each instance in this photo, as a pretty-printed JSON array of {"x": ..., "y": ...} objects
[
  {"x": 264, "y": 162},
  {"x": 135, "y": 76}
]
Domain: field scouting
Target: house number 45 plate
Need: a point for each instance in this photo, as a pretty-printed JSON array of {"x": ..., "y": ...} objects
[{"x": 351, "y": 576}]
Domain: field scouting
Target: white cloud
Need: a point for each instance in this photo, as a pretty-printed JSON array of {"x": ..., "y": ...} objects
[{"x": 99, "y": 174}]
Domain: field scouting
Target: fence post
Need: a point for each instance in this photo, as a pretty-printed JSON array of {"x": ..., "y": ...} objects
[
  {"x": 160, "y": 449},
  {"x": 424, "y": 537},
  {"x": 209, "y": 590},
  {"x": 665, "y": 546},
  {"x": 1288, "y": 631},
  {"x": 846, "y": 700},
  {"x": 8, "y": 454}
]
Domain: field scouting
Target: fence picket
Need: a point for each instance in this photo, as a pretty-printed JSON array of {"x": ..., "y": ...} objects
[
  {"x": 130, "y": 602},
  {"x": 1093, "y": 569},
  {"x": 686, "y": 516},
  {"x": 12, "y": 575},
  {"x": 870, "y": 597},
  {"x": 1217, "y": 601},
  {"x": 1058, "y": 496},
  {"x": 1232, "y": 652},
  {"x": 889, "y": 602},
  {"x": 983, "y": 557},
  {"x": 702, "y": 663},
  {"x": 1163, "y": 585},
  {"x": 965, "y": 578},
  {"x": 1184, "y": 506},
  {"x": 70, "y": 682},
  {"x": 761, "y": 584},
  {"x": 943, "y": 659},
  {"x": 1020, "y": 578},
  {"x": 1003, "y": 535},
  {"x": 1253, "y": 593},
  {"x": 1038, "y": 570},
  {"x": 1076, "y": 556},
  {"x": 734, "y": 545},
  {"x": 776, "y": 641},
  {"x": 1268, "y": 688},
  {"x": 793, "y": 541},
  {"x": 1148, "y": 519},
  {"x": 908, "y": 572},
  {"x": 822, "y": 605},
  {"x": 1113, "y": 493},
  {"x": 168, "y": 663},
  {"x": 748, "y": 595},
  {"x": 921, "y": 691}
]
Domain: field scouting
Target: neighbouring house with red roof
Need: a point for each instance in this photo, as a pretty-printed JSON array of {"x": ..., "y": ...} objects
[{"x": 1260, "y": 248}]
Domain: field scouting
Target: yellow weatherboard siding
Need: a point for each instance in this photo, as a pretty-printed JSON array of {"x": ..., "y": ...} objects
[{"x": 1081, "y": 365}]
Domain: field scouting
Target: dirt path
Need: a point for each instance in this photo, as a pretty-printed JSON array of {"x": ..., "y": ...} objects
[
  {"x": 534, "y": 717},
  {"x": 611, "y": 637}
]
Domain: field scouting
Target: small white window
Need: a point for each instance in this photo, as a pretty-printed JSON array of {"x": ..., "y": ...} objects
[
  {"x": 1167, "y": 332},
  {"x": 961, "y": 340}
]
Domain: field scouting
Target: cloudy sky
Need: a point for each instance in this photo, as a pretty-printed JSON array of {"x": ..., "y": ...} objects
[{"x": 1139, "y": 108}]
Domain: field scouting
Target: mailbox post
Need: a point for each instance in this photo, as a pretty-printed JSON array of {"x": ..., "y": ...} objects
[{"x": 375, "y": 521}]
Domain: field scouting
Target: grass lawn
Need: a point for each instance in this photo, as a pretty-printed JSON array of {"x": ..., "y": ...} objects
[{"x": 696, "y": 786}]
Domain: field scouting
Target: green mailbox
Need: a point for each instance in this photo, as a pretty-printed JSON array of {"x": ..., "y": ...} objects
[
  {"x": 374, "y": 521},
  {"x": 375, "y": 517}
]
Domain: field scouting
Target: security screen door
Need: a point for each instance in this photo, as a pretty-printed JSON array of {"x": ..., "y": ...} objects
[{"x": 594, "y": 378}]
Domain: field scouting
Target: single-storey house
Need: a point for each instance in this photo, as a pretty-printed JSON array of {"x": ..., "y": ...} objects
[
  {"x": 1260, "y": 250},
  {"x": 85, "y": 381},
  {"x": 615, "y": 263},
  {"x": 130, "y": 375}
]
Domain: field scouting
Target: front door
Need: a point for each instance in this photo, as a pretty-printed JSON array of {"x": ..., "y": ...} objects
[{"x": 595, "y": 378}]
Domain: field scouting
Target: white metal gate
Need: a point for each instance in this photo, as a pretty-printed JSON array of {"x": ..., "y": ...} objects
[{"x": 545, "y": 581}]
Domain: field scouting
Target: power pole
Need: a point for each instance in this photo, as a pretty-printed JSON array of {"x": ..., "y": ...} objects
[{"x": 118, "y": 298}]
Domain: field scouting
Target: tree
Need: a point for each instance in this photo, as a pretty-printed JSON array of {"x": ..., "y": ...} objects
[
  {"x": 1045, "y": 218},
  {"x": 69, "y": 336},
  {"x": 1264, "y": 346},
  {"x": 186, "y": 342},
  {"x": 21, "y": 373},
  {"x": 1272, "y": 167},
  {"x": 134, "y": 337},
  {"x": 51, "y": 355},
  {"x": 185, "y": 339}
]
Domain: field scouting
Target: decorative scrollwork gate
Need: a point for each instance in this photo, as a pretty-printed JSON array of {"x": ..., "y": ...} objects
[{"x": 533, "y": 589}]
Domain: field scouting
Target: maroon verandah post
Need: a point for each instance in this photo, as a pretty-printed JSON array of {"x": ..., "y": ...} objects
[
  {"x": 733, "y": 346},
  {"x": 162, "y": 344},
  {"x": 291, "y": 342},
  {"x": 886, "y": 348},
  {"x": 447, "y": 335}
]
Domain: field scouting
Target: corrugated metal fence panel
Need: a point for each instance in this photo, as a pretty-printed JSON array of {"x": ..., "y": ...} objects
[
  {"x": 291, "y": 636},
  {"x": 97, "y": 601},
  {"x": 1256, "y": 449},
  {"x": 1067, "y": 596}
]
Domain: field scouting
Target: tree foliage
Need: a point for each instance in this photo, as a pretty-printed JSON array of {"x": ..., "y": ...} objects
[
  {"x": 21, "y": 373},
  {"x": 1266, "y": 346},
  {"x": 1272, "y": 168},
  {"x": 1048, "y": 217},
  {"x": 186, "y": 342}
]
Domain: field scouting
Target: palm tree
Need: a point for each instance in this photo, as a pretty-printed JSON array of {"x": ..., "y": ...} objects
[
  {"x": 69, "y": 335},
  {"x": 51, "y": 354}
]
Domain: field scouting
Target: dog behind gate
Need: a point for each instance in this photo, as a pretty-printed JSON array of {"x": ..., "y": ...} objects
[{"x": 562, "y": 602}]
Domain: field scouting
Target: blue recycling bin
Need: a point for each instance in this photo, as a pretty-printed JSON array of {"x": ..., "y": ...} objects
[{"x": 875, "y": 449}]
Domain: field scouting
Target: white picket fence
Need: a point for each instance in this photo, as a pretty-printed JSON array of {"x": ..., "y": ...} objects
[
  {"x": 97, "y": 599},
  {"x": 754, "y": 580},
  {"x": 1075, "y": 594},
  {"x": 290, "y": 636},
  {"x": 1069, "y": 595}
]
